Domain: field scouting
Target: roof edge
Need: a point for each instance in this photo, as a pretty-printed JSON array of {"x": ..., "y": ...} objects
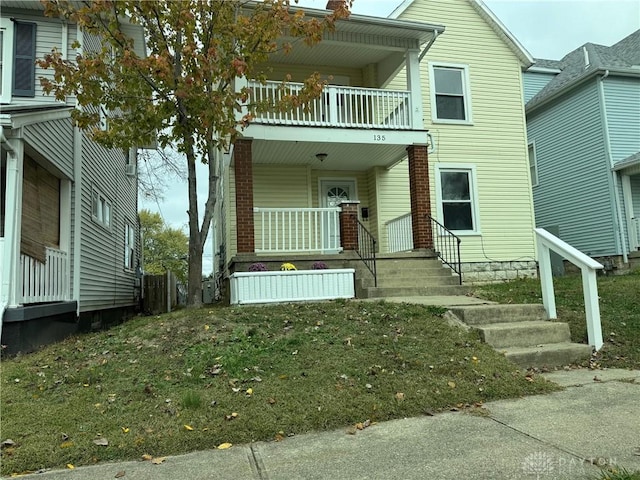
[{"x": 494, "y": 22}]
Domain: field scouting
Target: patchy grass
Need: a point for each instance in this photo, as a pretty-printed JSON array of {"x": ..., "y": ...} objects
[
  {"x": 614, "y": 473},
  {"x": 194, "y": 379},
  {"x": 619, "y": 311}
]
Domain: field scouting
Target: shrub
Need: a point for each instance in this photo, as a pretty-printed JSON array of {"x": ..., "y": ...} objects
[
  {"x": 319, "y": 266},
  {"x": 258, "y": 267}
]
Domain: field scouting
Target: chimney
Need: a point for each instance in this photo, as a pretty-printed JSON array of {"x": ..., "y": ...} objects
[{"x": 334, "y": 4}]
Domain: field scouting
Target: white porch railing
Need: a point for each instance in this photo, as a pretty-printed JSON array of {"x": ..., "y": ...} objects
[
  {"x": 635, "y": 223},
  {"x": 337, "y": 107},
  {"x": 297, "y": 229},
  {"x": 45, "y": 282},
  {"x": 545, "y": 242},
  {"x": 400, "y": 234}
]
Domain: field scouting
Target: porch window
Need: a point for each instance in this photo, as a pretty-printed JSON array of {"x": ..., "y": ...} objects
[
  {"x": 450, "y": 97},
  {"x": 129, "y": 247},
  {"x": 533, "y": 165},
  {"x": 101, "y": 209},
  {"x": 457, "y": 198}
]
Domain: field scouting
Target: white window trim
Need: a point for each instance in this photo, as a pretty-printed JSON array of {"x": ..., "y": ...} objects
[
  {"x": 129, "y": 247},
  {"x": 7, "y": 59},
  {"x": 465, "y": 89},
  {"x": 534, "y": 181},
  {"x": 103, "y": 200},
  {"x": 475, "y": 206}
]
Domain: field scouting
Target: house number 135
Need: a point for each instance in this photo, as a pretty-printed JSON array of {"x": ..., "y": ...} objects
[{"x": 379, "y": 138}]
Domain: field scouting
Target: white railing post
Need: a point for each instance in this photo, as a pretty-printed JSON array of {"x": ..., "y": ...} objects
[
  {"x": 333, "y": 105},
  {"x": 545, "y": 242},
  {"x": 546, "y": 279}
]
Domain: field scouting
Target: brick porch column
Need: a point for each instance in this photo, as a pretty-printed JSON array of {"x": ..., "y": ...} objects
[
  {"x": 244, "y": 196},
  {"x": 420, "y": 196},
  {"x": 349, "y": 225}
]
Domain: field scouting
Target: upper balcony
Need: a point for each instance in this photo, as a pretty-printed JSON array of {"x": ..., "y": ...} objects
[{"x": 360, "y": 61}]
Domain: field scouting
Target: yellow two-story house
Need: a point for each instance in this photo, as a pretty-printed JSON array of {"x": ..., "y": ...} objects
[{"x": 417, "y": 147}]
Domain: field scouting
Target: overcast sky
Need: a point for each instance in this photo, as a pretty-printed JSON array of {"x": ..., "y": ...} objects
[{"x": 546, "y": 28}]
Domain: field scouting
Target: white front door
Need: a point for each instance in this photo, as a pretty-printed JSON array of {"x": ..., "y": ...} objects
[{"x": 332, "y": 193}]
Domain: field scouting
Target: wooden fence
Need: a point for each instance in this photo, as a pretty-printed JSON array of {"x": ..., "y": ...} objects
[{"x": 160, "y": 293}]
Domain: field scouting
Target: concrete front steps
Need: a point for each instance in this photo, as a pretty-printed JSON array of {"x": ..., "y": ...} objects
[
  {"x": 524, "y": 334},
  {"x": 409, "y": 274}
]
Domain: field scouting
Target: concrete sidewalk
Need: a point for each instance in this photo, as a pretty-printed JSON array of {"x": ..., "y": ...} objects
[{"x": 557, "y": 436}]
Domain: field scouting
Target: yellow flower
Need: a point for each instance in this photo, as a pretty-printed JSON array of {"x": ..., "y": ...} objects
[{"x": 288, "y": 266}]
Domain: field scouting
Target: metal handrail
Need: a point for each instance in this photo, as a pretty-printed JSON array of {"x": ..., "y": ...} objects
[
  {"x": 367, "y": 250},
  {"x": 447, "y": 246}
]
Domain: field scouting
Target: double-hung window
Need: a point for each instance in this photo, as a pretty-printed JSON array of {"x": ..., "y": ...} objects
[
  {"x": 450, "y": 95},
  {"x": 129, "y": 247},
  {"x": 17, "y": 59},
  {"x": 457, "y": 198},
  {"x": 533, "y": 164},
  {"x": 101, "y": 209}
]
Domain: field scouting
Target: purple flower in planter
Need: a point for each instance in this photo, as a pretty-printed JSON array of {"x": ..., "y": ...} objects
[
  {"x": 258, "y": 267},
  {"x": 319, "y": 266}
]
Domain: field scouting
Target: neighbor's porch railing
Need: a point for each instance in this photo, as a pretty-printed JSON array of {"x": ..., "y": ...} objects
[
  {"x": 400, "y": 234},
  {"x": 635, "y": 223},
  {"x": 337, "y": 107},
  {"x": 297, "y": 230},
  {"x": 45, "y": 282},
  {"x": 545, "y": 242}
]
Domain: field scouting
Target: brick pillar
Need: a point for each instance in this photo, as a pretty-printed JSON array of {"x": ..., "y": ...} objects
[
  {"x": 349, "y": 225},
  {"x": 244, "y": 196},
  {"x": 420, "y": 196}
]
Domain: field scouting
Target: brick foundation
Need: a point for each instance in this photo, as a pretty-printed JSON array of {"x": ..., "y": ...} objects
[
  {"x": 244, "y": 196},
  {"x": 420, "y": 196}
]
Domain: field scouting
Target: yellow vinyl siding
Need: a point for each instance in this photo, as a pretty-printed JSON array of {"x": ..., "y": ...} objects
[
  {"x": 495, "y": 143},
  {"x": 301, "y": 72},
  {"x": 393, "y": 198}
]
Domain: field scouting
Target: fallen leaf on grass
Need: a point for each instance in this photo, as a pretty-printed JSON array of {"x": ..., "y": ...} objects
[
  {"x": 102, "y": 442},
  {"x": 188, "y": 427},
  {"x": 352, "y": 430},
  {"x": 271, "y": 401},
  {"x": 224, "y": 446},
  {"x": 452, "y": 384},
  {"x": 231, "y": 417},
  {"x": 158, "y": 460},
  {"x": 249, "y": 392},
  {"x": 146, "y": 457},
  {"x": 66, "y": 444},
  {"x": 7, "y": 443},
  {"x": 120, "y": 474},
  {"x": 70, "y": 466},
  {"x": 400, "y": 396},
  {"x": 279, "y": 436},
  {"x": 125, "y": 429}
]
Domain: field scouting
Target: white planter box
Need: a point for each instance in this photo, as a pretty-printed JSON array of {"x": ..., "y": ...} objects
[{"x": 292, "y": 286}]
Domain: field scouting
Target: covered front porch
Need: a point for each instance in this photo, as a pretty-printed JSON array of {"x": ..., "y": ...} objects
[{"x": 628, "y": 172}]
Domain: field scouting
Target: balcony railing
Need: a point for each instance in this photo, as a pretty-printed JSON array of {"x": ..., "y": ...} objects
[
  {"x": 45, "y": 282},
  {"x": 297, "y": 230},
  {"x": 337, "y": 107}
]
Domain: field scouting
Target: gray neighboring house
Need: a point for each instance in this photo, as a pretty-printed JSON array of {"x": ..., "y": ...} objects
[
  {"x": 69, "y": 235},
  {"x": 583, "y": 127}
]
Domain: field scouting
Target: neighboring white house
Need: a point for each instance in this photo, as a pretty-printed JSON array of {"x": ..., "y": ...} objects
[{"x": 69, "y": 236}]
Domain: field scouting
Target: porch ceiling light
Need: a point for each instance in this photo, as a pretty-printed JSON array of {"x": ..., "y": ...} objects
[{"x": 321, "y": 156}]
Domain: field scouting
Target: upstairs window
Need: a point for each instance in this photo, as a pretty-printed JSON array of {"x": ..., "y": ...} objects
[
  {"x": 101, "y": 209},
  {"x": 450, "y": 98},
  {"x": 24, "y": 66},
  {"x": 6, "y": 54}
]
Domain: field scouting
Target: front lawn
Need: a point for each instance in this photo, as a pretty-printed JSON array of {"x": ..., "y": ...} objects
[
  {"x": 195, "y": 379},
  {"x": 619, "y": 311}
]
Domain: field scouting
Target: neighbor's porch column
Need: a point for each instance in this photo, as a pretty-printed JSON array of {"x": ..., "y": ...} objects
[
  {"x": 349, "y": 225},
  {"x": 244, "y": 195},
  {"x": 11, "y": 287},
  {"x": 420, "y": 196}
]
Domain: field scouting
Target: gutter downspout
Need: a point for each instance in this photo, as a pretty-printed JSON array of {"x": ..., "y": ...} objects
[
  {"x": 613, "y": 183},
  {"x": 428, "y": 46}
]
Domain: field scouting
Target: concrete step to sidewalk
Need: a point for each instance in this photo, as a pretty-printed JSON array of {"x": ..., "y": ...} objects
[
  {"x": 549, "y": 355},
  {"x": 485, "y": 315},
  {"x": 411, "y": 281},
  {"x": 524, "y": 334},
  {"x": 381, "y": 292}
]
